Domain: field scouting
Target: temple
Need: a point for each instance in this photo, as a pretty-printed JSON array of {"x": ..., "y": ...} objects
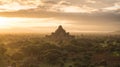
[{"x": 60, "y": 34}]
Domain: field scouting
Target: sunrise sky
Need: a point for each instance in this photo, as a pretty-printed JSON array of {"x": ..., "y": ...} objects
[{"x": 46, "y": 15}]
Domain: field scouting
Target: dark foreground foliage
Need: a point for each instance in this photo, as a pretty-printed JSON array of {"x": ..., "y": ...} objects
[{"x": 83, "y": 51}]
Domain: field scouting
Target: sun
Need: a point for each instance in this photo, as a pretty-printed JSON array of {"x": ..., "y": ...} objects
[{"x": 4, "y": 22}]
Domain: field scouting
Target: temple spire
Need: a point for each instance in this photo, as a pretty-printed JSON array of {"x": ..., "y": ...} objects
[
  {"x": 60, "y": 30},
  {"x": 60, "y": 34},
  {"x": 60, "y": 26}
]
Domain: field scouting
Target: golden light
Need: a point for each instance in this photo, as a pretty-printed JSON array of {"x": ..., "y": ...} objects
[
  {"x": 8, "y": 23},
  {"x": 4, "y": 23}
]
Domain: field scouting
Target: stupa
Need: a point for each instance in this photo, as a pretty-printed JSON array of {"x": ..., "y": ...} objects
[{"x": 60, "y": 34}]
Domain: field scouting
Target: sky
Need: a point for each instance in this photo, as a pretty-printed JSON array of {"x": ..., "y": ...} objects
[{"x": 45, "y": 15}]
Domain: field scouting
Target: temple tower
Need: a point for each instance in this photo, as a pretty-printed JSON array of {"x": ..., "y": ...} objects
[{"x": 60, "y": 35}]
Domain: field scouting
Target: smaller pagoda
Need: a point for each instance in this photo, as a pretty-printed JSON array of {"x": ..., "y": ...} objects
[{"x": 60, "y": 35}]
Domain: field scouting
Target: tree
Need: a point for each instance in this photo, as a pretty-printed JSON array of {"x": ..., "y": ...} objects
[{"x": 3, "y": 58}]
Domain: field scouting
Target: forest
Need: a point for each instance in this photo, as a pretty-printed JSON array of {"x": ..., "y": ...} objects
[{"x": 35, "y": 50}]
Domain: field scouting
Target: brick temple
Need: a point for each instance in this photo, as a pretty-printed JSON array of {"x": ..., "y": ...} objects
[{"x": 60, "y": 34}]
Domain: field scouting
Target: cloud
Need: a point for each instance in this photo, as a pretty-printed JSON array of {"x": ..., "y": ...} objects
[
  {"x": 116, "y": 6},
  {"x": 60, "y": 5},
  {"x": 65, "y": 6},
  {"x": 96, "y": 17},
  {"x": 1, "y": 3},
  {"x": 65, "y": 3},
  {"x": 74, "y": 10},
  {"x": 91, "y": 1},
  {"x": 49, "y": 2},
  {"x": 79, "y": 5}
]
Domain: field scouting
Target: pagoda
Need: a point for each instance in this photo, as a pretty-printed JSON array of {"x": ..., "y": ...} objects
[{"x": 60, "y": 35}]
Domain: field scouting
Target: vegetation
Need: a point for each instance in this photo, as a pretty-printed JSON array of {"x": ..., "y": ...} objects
[{"x": 23, "y": 50}]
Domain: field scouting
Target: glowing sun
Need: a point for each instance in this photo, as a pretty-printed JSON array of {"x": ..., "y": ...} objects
[{"x": 4, "y": 22}]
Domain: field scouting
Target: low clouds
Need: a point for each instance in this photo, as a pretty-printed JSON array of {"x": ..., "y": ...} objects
[{"x": 111, "y": 16}]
